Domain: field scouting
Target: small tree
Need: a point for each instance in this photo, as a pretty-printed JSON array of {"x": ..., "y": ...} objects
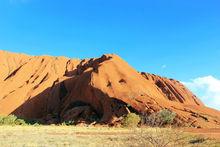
[{"x": 131, "y": 120}]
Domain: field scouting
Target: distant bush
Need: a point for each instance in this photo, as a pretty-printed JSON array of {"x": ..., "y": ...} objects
[
  {"x": 11, "y": 120},
  {"x": 161, "y": 118},
  {"x": 131, "y": 120}
]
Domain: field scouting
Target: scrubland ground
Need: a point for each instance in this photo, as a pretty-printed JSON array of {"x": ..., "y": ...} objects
[{"x": 99, "y": 136}]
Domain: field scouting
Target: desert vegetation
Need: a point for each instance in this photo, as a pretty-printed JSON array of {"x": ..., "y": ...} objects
[
  {"x": 131, "y": 120},
  {"x": 162, "y": 118},
  {"x": 12, "y": 120},
  {"x": 155, "y": 132},
  {"x": 99, "y": 136}
]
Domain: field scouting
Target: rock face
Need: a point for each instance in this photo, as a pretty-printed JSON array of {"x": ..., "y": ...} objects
[{"x": 60, "y": 89}]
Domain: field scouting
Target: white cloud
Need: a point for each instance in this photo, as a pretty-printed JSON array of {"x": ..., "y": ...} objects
[{"x": 207, "y": 89}]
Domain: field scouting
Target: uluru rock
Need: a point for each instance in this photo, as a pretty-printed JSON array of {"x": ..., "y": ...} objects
[
  {"x": 27, "y": 87},
  {"x": 105, "y": 87}
]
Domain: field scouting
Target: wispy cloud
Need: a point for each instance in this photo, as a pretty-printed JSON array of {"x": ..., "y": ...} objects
[
  {"x": 164, "y": 66},
  {"x": 207, "y": 88}
]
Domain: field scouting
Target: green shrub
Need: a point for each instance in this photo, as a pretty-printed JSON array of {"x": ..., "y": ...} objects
[
  {"x": 166, "y": 116},
  {"x": 161, "y": 118},
  {"x": 11, "y": 120},
  {"x": 131, "y": 120}
]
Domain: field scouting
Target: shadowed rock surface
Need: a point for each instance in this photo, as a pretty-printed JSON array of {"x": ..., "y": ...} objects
[{"x": 58, "y": 89}]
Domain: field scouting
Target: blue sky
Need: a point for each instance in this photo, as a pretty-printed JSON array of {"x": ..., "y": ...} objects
[{"x": 178, "y": 39}]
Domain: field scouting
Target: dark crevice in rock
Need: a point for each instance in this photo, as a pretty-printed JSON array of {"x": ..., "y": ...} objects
[
  {"x": 13, "y": 73},
  {"x": 109, "y": 84},
  {"x": 63, "y": 91},
  {"x": 44, "y": 78}
]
